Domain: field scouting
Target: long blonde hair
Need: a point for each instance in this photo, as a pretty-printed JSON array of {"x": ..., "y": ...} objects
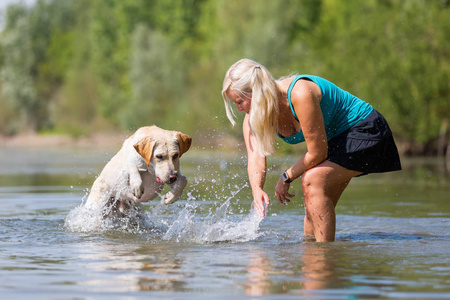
[{"x": 249, "y": 78}]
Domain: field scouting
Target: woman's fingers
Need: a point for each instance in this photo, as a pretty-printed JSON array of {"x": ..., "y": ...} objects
[
  {"x": 259, "y": 207},
  {"x": 283, "y": 195},
  {"x": 259, "y": 200}
]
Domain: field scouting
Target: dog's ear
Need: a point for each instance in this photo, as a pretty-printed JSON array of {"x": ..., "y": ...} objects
[
  {"x": 145, "y": 148},
  {"x": 184, "y": 141}
]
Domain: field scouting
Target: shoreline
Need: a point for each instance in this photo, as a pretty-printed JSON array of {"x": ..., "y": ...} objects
[
  {"x": 108, "y": 141},
  {"x": 113, "y": 140},
  {"x": 97, "y": 140}
]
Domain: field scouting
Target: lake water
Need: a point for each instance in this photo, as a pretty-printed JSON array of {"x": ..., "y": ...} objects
[{"x": 393, "y": 235}]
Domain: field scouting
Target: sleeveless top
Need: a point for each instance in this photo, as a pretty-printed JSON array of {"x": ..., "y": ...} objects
[{"x": 340, "y": 109}]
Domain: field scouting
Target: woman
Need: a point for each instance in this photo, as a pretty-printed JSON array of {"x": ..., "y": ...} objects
[{"x": 345, "y": 138}]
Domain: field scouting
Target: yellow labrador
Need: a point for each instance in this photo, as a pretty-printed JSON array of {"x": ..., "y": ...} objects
[{"x": 147, "y": 160}]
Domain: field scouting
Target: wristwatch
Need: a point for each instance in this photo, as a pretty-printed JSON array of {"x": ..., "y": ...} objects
[{"x": 285, "y": 177}]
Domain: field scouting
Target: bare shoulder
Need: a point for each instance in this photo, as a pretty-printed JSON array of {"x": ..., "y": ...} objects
[{"x": 305, "y": 90}]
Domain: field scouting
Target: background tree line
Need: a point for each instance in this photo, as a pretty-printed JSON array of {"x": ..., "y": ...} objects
[{"x": 80, "y": 66}]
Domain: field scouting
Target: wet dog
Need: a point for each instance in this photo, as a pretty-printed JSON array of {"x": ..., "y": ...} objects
[{"x": 147, "y": 161}]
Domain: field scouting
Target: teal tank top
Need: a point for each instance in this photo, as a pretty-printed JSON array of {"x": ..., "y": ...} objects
[{"x": 341, "y": 110}]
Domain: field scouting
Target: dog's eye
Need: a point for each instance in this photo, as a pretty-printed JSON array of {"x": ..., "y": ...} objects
[
  {"x": 159, "y": 157},
  {"x": 175, "y": 156}
]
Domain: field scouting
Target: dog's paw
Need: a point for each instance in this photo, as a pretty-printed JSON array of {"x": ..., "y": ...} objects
[
  {"x": 136, "y": 187},
  {"x": 126, "y": 195},
  {"x": 138, "y": 192}
]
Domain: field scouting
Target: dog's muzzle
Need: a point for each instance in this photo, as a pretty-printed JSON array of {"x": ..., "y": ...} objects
[{"x": 173, "y": 178}]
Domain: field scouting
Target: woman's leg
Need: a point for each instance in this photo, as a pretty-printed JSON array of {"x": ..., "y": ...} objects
[
  {"x": 308, "y": 230},
  {"x": 322, "y": 187}
]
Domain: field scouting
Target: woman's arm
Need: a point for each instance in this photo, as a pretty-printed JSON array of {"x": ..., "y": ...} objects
[
  {"x": 306, "y": 97},
  {"x": 256, "y": 169}
]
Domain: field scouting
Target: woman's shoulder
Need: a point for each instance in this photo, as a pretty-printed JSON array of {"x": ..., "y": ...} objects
[
  {"x": 305, "y": 89},
  {"x": 285, "y": 82}
]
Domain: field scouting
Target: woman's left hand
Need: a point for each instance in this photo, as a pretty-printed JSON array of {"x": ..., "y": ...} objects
[{"x": 282, "y": 192}]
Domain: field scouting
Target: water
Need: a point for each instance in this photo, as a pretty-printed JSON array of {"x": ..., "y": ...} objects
[{"x": 392, "y": 235}]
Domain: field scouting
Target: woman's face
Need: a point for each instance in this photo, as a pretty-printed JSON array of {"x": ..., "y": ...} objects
[{"x": 242, "y": 102}]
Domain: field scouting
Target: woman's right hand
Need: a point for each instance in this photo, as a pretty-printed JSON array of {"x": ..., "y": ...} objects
[{"x": 259, "y": 199}]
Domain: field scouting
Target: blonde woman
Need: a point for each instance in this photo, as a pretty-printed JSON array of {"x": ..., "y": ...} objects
[{"x": 345, "y": 138}]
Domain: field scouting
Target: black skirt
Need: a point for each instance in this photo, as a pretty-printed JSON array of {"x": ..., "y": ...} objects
[{"x": 368, "y": 147}]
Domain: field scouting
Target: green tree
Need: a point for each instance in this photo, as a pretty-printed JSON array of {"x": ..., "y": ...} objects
[
  {"x": 18, "y": 63},
  {"x": 36, "y": 50},
  {"x": 158, "y": 78},
  {"x": 392, "y": 54},
  {"x": 79, "y": 65}
]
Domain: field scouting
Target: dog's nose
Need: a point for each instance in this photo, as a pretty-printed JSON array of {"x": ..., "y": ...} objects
[{"x": 172, "y": 178}]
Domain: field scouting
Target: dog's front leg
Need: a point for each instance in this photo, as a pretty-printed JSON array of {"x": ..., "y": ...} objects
[
  {"x": 135, "y": 181},
  {"x": 176, "y": 190}
]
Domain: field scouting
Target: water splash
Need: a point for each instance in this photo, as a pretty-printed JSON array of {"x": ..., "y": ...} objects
[
  {"x": 106, "y": 217},
  {"x": 218, "y": 226},
  {"x": 86, "y": 220},
  {"x": 184, "y": 221}
]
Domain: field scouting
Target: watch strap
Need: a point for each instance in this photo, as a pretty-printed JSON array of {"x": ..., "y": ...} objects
[{"x": 285, "y": 177}]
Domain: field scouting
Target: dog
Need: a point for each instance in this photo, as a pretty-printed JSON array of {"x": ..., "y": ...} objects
[{"x": 147, "y": 161}]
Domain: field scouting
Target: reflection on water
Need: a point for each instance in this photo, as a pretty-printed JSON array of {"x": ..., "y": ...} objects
[
  {"x": 130, "y": 267},
  {"x": 318, "y": 269},
  {"x": 258, "y": 279},
  {"x": 392, "y": 235}
]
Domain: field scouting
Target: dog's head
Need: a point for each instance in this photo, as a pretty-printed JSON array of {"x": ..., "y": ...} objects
[{"x": 161, "y": 150}]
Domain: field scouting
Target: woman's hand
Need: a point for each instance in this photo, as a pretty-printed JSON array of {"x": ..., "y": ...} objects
[
  {"x": 259, "y": 199},
  {"x": 282, "y": 192}
]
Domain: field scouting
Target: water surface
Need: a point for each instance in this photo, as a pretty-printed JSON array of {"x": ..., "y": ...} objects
[{"x": 392, "y": 235}]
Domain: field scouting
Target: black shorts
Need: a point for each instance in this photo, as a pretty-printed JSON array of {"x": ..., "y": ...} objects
[{"x": 368, "y": 147}]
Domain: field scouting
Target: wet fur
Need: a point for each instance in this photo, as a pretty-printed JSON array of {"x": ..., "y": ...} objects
[{"x": 147, "y": 161}]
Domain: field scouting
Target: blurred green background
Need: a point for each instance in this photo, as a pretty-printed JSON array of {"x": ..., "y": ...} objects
[{"x": 80, "y": 67}]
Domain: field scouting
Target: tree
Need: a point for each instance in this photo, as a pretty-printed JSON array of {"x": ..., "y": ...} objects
[
  {"x": 18, "y": 62},
  {"x": 157, "y": 76}
]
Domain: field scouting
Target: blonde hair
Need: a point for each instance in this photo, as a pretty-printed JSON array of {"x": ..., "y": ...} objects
[{"x": 249, "y": 78}]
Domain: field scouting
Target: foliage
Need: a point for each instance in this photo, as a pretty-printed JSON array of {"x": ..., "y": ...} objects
[
  {"x": 18, "y": 67},
  {"x": 157, "y": 74},
  {"x": 79, "y": 66}
]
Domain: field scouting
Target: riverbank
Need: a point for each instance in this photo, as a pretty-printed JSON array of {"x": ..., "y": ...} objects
[
  {"x": 109, "y": 141},
  {"x": 98, "y": 140},
  {"x": 114, "y": 139}
]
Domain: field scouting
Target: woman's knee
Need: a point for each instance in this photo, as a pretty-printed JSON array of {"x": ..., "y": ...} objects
[{"x": 312, "y": 182}]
